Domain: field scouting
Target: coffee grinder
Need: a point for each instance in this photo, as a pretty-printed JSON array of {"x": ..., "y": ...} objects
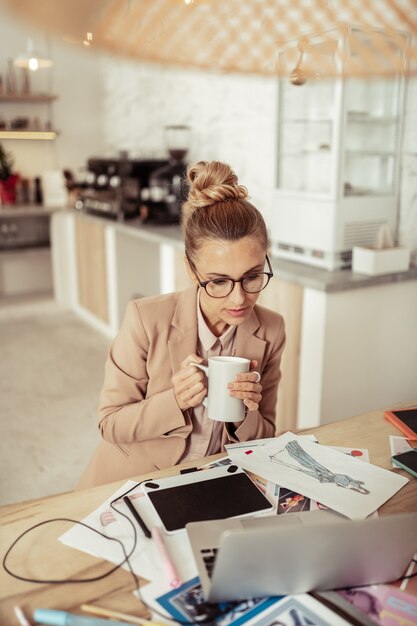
[{"x": 162, "y": 201}]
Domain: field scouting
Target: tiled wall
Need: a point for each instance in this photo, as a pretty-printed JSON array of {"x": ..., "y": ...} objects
[{"x": 233, "y": 119}]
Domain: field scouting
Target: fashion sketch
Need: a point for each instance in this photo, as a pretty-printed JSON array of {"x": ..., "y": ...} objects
[{"x": 313, "y": 468}]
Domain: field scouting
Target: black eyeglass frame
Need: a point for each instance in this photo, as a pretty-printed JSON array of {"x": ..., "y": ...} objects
[{"x": 204, "y": 283}]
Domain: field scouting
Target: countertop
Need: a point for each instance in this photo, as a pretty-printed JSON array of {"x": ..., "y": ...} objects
[
  {"x": 290, "y": 271},
  {"x": 8, "y": 210}
]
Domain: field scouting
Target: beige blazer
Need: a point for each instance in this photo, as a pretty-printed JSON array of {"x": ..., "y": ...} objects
[{"x": 142, "y": 427}]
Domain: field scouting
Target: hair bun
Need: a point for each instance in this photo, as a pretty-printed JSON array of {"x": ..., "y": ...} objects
[{"x": 211, "y": 182}]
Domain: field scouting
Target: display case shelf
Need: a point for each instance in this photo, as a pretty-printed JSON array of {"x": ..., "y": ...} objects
[
  {"x": 307, "y": 120},
  {"x": 368, "y": 153},
  {"x": 353, "y": 118},
  {"x": 306, "y": 153}
]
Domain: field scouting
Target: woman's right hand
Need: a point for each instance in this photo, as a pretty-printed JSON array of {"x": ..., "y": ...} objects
[{"x": 189, "y": 383}]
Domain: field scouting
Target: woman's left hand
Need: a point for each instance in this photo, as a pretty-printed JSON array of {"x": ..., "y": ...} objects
[{"x": 247, "y": 388}]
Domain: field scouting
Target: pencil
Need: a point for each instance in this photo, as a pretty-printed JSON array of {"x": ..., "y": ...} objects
[
  {"x": 97, "y": 610},
  {"x": 137, "y": 517},
  {"x": 21, "y": 617}
]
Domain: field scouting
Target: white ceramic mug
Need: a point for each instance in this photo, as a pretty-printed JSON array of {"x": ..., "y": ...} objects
[{"x": 220, "y": 371}]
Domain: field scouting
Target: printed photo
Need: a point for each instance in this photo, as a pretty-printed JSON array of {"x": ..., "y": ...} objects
[
  {"x": 188, "y": 602},
  {"x": 291, "y": 502}
]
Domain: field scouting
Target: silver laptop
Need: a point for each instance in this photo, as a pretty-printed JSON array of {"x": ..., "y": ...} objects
[{"x": 296, "y": 553}]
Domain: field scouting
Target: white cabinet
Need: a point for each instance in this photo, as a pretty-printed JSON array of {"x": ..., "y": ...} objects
[
  {"x": 100, "y": 265},
  {"x": 339, "y": 143}
]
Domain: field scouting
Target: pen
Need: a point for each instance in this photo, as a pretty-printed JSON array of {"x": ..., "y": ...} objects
[
  {"x": 50, "y": 617},
  {"x": 137, "y": 517},
  {"x": 170, "y": 570},
  {"x": 97, "y": 610}
]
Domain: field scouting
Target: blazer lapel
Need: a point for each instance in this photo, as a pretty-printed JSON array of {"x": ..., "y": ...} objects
[
  {"x": 248, "y": 345},
  {"x": 183, "y": 336}
]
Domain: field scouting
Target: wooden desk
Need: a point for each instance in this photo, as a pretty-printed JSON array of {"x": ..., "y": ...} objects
[{"x": 40, "y": 555}]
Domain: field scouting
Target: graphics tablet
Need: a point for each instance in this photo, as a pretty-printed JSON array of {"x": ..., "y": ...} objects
[{"x": 216, "y": 493}]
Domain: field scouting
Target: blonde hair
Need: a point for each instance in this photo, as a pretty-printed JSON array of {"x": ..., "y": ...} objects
[{"x": 218, "y": 208}]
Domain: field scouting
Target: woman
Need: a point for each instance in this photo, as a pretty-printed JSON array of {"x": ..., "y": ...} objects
[{"x": 151, "y": 414}]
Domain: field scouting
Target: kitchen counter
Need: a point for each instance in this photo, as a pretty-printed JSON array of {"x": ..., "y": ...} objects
[
  {"x": 8, "y": 210},
  {"x": 297, "y": 273},
  {"x": 25, "y": 256},
  {"x": 158, "y": 233}
]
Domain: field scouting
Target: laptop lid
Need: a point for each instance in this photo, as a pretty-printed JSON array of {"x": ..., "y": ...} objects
[{"x": 302, "y": 552}]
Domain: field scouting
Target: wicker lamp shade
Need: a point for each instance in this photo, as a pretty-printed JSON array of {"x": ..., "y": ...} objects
[{"x": 265, "y": 37}]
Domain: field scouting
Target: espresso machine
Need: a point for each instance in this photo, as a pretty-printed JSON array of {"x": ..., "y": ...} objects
[
  {"x": 113, "y": 186},
  {"x": 161, "y": 202}
]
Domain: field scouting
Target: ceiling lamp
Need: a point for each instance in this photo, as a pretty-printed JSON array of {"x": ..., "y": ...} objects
[{"x": 32, "y": 60}]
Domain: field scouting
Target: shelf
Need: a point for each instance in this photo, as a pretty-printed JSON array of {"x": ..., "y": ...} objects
[
  {"x": 48, "y": 135},
  {"x": 309, "y": 120},
  {"x": 369, "y": 119},
  {"x": 305, "y": 153},
  {"x": 370, "y": 153},
  {"x": 34, "y": 97},
  {"x": 369, "y": 193}
]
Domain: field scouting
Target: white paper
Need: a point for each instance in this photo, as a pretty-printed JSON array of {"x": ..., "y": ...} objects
[
  {"x": 254, "y": 443},
  {"x": 384, "y": 238},
  {"x": 145, "y": 560},
  {"x": 286, "y": 501},
  {"x": 335, "y": 479}
]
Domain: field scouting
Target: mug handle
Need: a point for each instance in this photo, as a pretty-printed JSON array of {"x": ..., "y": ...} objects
[
  {"x": 202, "y": 367},
  {"x": 205, "y": 370}
]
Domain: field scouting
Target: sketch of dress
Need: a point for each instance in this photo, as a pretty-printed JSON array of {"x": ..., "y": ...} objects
[{"x": 316, "y": 470}]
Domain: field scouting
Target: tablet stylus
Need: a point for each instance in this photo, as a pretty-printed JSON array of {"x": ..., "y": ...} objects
[
  {"x": 137, "y": 517},
  {"x": 168, "y": 565}
]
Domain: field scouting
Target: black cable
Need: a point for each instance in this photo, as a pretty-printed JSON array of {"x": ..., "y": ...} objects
[
  {"x": 126, "y": 560},
  {"x": 72, "y": 521},
  {"x": 63, "y": 580}
]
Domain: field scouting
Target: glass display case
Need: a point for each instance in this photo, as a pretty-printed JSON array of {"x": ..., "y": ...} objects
[
  {"x": 338, "y": 162},
  {"x": 363, "y": 135},
  {"x": 306, "y": 136},
  {"x": 371, "y": 150}
]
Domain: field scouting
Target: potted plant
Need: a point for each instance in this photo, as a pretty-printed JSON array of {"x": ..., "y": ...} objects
[{"x": 8, "y": 180}]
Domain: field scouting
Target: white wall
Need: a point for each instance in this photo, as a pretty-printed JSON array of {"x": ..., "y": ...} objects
[{"x": 76, "y": 114}]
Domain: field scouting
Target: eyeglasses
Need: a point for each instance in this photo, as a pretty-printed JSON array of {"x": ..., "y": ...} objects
[{"x": 222, "y": 287}]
